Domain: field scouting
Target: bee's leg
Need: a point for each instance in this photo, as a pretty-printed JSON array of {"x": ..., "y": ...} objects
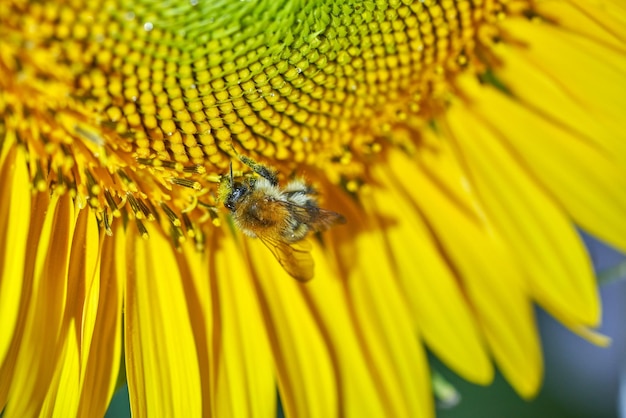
[{"x": 263, "y": 171}]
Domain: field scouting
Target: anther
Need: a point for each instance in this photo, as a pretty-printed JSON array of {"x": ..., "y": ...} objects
[{"x": 170, "y": 214}]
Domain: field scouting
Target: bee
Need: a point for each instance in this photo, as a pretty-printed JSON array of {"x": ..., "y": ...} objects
[{"x": 280, "y": 217}]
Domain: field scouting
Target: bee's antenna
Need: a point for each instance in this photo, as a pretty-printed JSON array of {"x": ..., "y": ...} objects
[
  {"x": 232, "y": 146},
  {"x": 231, "y": 174}
]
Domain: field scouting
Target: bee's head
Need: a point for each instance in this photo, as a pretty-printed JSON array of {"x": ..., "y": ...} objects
[
  {"x": 231, "y": 192},
  {"x": 237, "y": 192}
]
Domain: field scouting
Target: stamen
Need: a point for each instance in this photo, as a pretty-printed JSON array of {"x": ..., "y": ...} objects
[
  {"x": 195, "y": 169},
  {"x": 200, "y": 240},
  {"x": 189, "y": 226},
  {"x": 127, "y": 180},
  {"x": 92, "y": 186},
  {"x": 39, "y": 181},
  {"x": 191, "y": 184},
  {"x": 177, "y": 236},
  {"x": 91, "y": 136},
  {"x": 147, "y": 212},
  {"x": 111, "y": 202},
  {"x": 170, "y": 214},
  {"x": 61, "y": 184},
  {"x": 107, "y": 224},
  {"x": 142, "y": 229},
  {"x": 172, "y": 165},
  {"x": 212, "y": 211},
  {"x": 135, "y": 206},
  {"x": 146, "y": 161}
]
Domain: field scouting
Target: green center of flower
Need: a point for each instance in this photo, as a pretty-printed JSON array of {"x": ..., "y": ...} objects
[{"x": 136, "y": 107}]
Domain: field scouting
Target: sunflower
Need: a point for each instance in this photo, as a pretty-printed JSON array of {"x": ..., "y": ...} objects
[{"x": 462, "y": 140}]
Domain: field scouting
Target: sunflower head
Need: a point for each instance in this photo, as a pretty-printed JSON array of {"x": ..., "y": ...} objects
[{"x": 449, "y": 133}]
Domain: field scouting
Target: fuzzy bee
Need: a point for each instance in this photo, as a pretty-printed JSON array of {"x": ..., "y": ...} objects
[{"x": 280, "y": 217}]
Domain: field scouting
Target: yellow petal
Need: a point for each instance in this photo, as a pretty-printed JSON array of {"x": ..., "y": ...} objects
[
  {"x": 543, "y": 240},
  {"x": 587, "y": 102},
  {"x": 63, "y": 393},
  {"x": 585, "y": 180},
  {"x": 63, "y": 396},
  {"x": 601, "y": 20},
  {"x": 245, "y": 383},
  {"x": 39, "y": 204},
  {"x": 306, "y": 375},
  {"x": 102, "y": 327},
  {"x": 194, "y": 267},
  {"x": 162, "y": 361},
  {"x": 14, "y": 223},
  {"x": 369, "y": 359},
  {"x": 495, "y": 286},
  {"x": 388, "y": 342},
  {"x": 43, "y": 331},
  {"x": 440, "y": 309}
]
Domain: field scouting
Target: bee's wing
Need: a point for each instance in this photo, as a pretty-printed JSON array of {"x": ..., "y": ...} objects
[
  {"x": 295, "y": 258},
  {"x": 317, "y": 219}
]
